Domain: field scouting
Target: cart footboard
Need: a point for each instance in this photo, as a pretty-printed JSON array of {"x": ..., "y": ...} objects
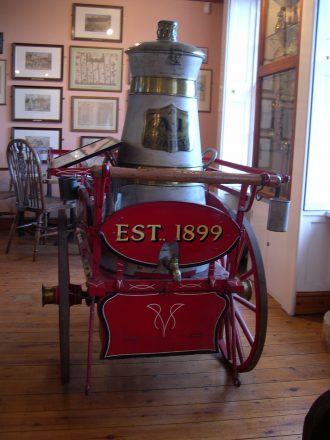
[{"x": 160, "y": 323}]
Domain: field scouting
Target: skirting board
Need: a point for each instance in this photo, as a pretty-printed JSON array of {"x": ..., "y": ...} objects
[{"x": 308, "y": 303}]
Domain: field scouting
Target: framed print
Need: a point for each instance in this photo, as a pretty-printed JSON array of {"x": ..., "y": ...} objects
[
  {"x": 2, "y": 82},
  {"x": 95, "y": 68},
  {"x": 94, "y": 114},
  {"x": 206, "y": 53},
  {"x": 93, "y": 22},
  {"x": 204, "y": 86},
  {"x": 39, "y": 137},
  {"x": 37, "y": 103},
  {"x": 37, "y": 61},
  {"x": 86, "y": 140}
]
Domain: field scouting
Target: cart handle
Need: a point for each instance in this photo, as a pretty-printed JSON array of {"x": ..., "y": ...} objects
[{"x": 177, "y": 175}]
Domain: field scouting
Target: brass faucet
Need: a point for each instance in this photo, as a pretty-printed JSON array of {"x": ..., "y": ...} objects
[
  {"x": 173, "y": 266},
  {"x": 169, "y": 258}
]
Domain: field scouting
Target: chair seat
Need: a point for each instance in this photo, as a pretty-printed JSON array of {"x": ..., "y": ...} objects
[{"x": 54, "y": 203}]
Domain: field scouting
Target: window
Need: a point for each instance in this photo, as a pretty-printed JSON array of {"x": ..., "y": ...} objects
[
  {"x": 317, "y": 196},
  {"x": 239, "y": 81}
]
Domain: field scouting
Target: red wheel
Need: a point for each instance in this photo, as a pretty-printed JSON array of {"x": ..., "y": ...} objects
[
  {"x": 243, "y": 331},
  {"x": 64, "y": 290}
]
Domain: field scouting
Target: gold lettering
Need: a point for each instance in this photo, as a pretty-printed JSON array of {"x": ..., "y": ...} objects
[
  {"x": 121, "y": 231},
  {"x": 139, "y": 234},
  {"x": 154, "y": 231},
  {"x": 216, "y": 231},
  {"x": 189, "y": 233},
  {"x": 178, "y": 232}
]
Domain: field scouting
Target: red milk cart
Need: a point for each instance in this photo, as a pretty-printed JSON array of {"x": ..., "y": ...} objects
[{"x": 222, "y": 308}]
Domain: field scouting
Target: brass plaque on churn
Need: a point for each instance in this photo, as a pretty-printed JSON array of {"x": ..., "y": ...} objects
[{"x": 166, "y": 129}]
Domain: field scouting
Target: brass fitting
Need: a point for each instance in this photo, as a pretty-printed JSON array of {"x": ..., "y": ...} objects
[
  {"x": 174, "y": 268},
  {"x": 48, "y": 295},
  {"x": 247, "y": 290}
]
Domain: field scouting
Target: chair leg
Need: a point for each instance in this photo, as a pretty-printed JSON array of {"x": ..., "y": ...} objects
[
  {"x": 44, "y": 228},
  {"x": 12, "y": 232},
  {"x": 37, "y": 235}
]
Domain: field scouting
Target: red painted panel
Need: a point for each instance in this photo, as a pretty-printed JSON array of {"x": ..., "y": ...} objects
[
  {"x": 138, "y": 232},
  {"x": 160, "y": 323}
]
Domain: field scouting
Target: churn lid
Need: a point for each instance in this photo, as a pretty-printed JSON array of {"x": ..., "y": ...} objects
[{"x": 166, "y": 42}]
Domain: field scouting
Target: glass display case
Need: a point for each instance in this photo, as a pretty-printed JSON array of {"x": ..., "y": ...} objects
[
  {"x": 281, "y": 29},
  {"x": 276, "y": 86}
]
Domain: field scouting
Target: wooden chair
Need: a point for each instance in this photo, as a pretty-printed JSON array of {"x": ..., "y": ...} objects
[{"x": 26, "y": 174}]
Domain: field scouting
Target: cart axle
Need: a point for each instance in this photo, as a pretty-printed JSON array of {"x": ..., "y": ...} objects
[{"x": 50, "y": 295}]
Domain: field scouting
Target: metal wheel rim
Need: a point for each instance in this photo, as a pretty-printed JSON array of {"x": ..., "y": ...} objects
[{"x": 248, "y": 349}]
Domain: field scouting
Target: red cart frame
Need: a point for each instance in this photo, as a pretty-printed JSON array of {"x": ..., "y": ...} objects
[{"x": 223, "y": 309}]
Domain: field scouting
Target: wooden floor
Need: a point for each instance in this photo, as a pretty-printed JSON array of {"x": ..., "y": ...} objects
[{"x": 185, "y": 397}]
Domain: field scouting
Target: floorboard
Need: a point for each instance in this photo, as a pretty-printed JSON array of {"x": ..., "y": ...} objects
[{"x": 176, "y": 397}]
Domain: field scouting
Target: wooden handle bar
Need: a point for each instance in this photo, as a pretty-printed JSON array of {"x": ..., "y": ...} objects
[{"x": 178, "y": 175}]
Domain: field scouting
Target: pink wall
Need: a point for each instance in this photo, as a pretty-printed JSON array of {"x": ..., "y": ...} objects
[{"x": 49, "y": 22}]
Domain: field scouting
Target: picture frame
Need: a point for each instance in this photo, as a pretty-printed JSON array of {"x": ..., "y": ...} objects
[
  {"x": 37, "y": 62},
  {"x": 206, "y": 52},
  {"x": 86, "y": 140},
  {"x": 97, "y": 22},
  {"x": 37, "y": 104},
  {"x": 94, "y": 114},
  {"x": 96, "y": 68},
  {"x": 39, "y": 137},
  {"x": 204, "y": 90},
  {"x": 2, "y": 82}
]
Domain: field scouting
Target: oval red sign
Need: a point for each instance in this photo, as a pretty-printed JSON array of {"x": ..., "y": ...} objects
[{"x": 139, "y": 232}]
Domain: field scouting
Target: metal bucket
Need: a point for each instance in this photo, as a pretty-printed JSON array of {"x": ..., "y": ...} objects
[{"x": 278, "y": 215}]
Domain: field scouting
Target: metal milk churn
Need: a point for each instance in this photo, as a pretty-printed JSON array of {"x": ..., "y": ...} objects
[{"x": 161, "y": 127}]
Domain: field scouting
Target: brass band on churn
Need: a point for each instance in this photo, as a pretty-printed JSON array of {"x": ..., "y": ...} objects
[{"x": 163, "y": 86}]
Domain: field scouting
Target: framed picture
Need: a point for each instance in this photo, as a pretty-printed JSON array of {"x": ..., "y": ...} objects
[
  {"x": 94, "y": 114},
  {"x": 86, "y": 140},
  {"x": 95, "y": 68},
  {"x": 129, "y": 74},
  {"x": 93, "y": 22},
  {"x": 2, "y": 82},
  {"x": 37, "y": 61},
  {"x": 39, "y": 137},
  {"x": 204, "y": 88},
  {"x": 37, "y": 103},
  {"x": 206, "y": 53}
]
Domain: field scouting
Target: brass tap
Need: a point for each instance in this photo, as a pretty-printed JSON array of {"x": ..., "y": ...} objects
[
  {"x": 173, "y": 266},
  {"x": 169, "y": 259}
]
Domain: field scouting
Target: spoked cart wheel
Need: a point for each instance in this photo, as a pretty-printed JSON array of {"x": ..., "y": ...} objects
[
  {"x": 243, "y": 331},
  {"x": 64, "y": 306}
]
